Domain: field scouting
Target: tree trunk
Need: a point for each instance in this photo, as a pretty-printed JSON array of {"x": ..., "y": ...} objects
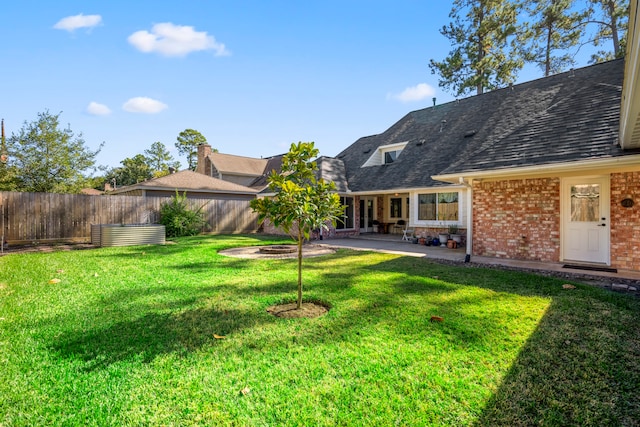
[
  {"x": 299, "y": 305},
  {"x": 614, "y": 28}
]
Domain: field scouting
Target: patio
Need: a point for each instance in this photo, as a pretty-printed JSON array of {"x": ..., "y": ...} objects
[{"x": 622, "y": 280}]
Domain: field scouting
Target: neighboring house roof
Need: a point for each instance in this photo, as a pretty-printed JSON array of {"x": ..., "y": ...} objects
[
  {"x": 273, "y": 163},
  {"x": 238, "y": 165},
  {"x": 91, "y": 192},
  {"x": 566, "y": 117},
  {"x": 187, "y": 180}
]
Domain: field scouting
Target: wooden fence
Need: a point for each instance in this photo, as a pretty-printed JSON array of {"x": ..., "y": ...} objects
[{"x": 42, "y": 217}]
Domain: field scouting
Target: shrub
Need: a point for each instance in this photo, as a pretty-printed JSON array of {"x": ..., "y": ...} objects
[{"x": 179, "y": 220}]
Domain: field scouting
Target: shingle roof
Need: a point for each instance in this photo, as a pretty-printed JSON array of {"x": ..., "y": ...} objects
[
  {"x": 331, "y": 169},
  {"x": 189, "y": 180},
  {"x": 273, "y": 163},
  {"x": 566, "y": 117},
  {"x": 229, "y": 163}
]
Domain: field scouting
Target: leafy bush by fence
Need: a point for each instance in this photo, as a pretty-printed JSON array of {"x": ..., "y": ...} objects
[{"x": 41, "y": 217}]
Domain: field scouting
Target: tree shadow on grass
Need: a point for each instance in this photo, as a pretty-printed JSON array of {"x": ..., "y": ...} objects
[
  {"x": 151, "y": 335},
  {"x": 577, "y": 368},
  {"x": 581, "y": 364}
]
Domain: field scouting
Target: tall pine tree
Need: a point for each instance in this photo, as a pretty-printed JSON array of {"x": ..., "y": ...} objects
[
  {"x": 553, "y": 29},
  {"x": 484, "y": 54}
]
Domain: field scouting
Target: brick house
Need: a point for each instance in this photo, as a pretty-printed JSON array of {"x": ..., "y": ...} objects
[
  {"x": 534, "y": 171},
  {"x": 547, "y": 170}
]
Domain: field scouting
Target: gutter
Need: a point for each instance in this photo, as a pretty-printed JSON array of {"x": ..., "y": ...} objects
[{"x": 630, "y": 162}]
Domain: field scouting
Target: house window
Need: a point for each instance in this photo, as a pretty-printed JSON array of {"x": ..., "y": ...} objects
[
  {"x": 391, "y": 156},
  {"x": 438, "y": 206},
  {"x": 396, "y": 207},
  {"x": 346, "y": 221}
]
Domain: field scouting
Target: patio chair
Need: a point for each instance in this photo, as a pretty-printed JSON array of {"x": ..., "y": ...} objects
[
  {"x": 399, "y": 226},
  {"x": 407, "y": 234}
]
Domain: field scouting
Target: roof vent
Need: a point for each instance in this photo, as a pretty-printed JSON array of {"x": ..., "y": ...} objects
[
  {"x": 442, "y": 123},
  {"x": 420, "y": 142},
  {"x": 469, "y": 133},
  {"x": 368, "y": 150}
]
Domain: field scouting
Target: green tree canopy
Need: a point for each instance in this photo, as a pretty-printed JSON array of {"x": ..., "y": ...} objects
[
  {"x": 187, "y": 145},
  {"x": 301, "y": 202},
  {"x": 484, "y": 53},
  {"x": 160, "y": 160},
  {"x": 42, "y": 157},
  {"x": 133, "y": 170}
]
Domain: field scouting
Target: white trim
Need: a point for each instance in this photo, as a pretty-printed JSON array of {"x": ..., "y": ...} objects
[
  {"x": 585, "y": 166},
  {"x": 439, "y": 189},
  {"x": 630, "y": 105},
  {"x": 435, "y": 223}
]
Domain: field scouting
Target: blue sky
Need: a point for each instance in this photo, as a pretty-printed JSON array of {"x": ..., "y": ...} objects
[{"x": 251, "y": 76}]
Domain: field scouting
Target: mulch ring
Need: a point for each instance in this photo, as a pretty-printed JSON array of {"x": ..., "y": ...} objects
[
  {"x": 253, "y": 252},
  {"x": 309, "y": 310}
]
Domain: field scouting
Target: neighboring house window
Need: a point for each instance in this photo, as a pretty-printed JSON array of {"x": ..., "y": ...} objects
[
  {"x": 438, "y": 206},
  {"x": 347, "y": 219},
  {"x": 396, "y": 207}
]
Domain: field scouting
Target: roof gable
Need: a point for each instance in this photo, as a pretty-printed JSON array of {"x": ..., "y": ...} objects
[{"x": 238, "y": 165}]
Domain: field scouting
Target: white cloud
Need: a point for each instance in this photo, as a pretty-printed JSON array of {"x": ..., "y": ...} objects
[
  {"x": 175, "y": 40},
  {"x": 414, "y": 93},
  {"x": 142, "y": 104},
  {"x": 97, "y": 109},
  {"x": 71, "y": 23}
]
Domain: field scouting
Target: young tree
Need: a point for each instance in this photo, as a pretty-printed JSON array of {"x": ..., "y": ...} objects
[
  {"x": 160, "y": 160},
  {"x": 301, "y": 202},
  {"x": 187, "y": 145},
  {"x": 46, "y": 158},
  {"x": 552, "y": 28},
  {"x": 484, "y": 54}
]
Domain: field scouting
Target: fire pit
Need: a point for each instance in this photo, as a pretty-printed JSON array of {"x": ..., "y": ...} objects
[{"x": 278, "y": 249}]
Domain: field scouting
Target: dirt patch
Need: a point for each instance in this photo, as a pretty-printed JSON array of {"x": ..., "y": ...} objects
[
  {"x": 18, "y": 249},
  {"x": 309, "y": 310},
  {"x": 256, "y": 252},
  {"x": 278, "y": 249}
]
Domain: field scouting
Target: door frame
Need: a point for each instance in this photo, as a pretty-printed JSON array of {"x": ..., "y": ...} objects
[
  {"x": 565, "y": 209},
  {"x": 364, "y": 215}
]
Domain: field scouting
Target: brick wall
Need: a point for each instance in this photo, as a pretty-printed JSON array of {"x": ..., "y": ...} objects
[
  {"x": 625, "y": 222},
  {"x": 517, "y": 219}
]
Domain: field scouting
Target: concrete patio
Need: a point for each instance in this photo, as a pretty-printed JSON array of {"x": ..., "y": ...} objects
[{"x": 393, "y": 243}]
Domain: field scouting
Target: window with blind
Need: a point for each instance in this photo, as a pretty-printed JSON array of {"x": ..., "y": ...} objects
[{"x": 438, "y": 206}]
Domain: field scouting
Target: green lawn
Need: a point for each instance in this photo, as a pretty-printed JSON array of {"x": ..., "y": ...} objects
[{"x": 127, "y": 338}]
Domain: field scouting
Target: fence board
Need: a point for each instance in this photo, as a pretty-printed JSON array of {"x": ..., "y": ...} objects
[{"x": 31, "y": 217}]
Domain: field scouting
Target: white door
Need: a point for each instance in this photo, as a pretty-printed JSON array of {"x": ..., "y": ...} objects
[{"x": 585, "y": 219}]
